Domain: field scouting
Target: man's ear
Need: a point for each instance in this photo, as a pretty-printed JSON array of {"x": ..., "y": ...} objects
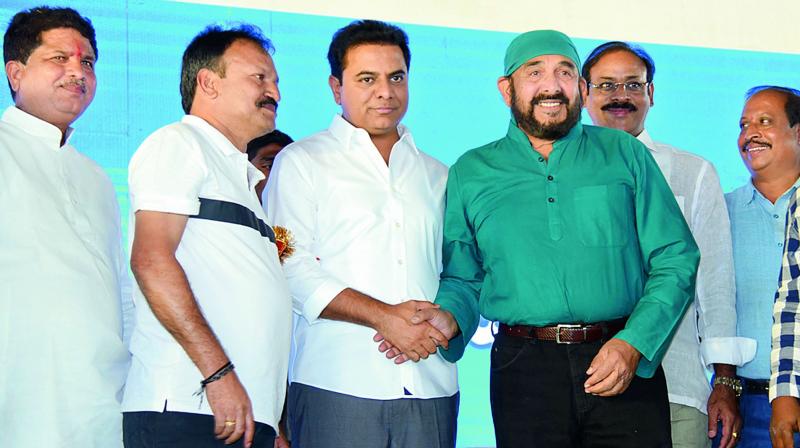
[
  {"x": 336, "y": 89},
  {"x": 14, "y": 72},
  {"x": 797, "y": 133},
  {"x": 583, "y": 87},
  {"x": 207, "y": 83},
  {"x": 650, "y": 89},
  {"x": 504, "y": 86}
]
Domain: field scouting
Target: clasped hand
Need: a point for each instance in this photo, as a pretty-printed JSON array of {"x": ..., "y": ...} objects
[{"x": 414, "y": 330}]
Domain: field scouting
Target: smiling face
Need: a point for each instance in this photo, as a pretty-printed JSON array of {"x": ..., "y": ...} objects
[
  {"x": 768, "y": 146},
  {"x": 373, "y": 91},
  {"x": 545, "y": 96},
  {"x": 247, "y": 95},
  {"x": 620, "y": 109},
  {"x": 57, "y": 82}
]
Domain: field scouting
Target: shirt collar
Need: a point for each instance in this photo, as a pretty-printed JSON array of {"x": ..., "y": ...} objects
[
  {"x": 346, "y": 133},
  {"x": 36, "y": 127},
  {"x": 217, "y": 139},
  {"x": 754, "y": 193},
  {"x": 518, "y": 136},
  {"x": 645, "y": 138},
  {"x": 221, "y": 143}
]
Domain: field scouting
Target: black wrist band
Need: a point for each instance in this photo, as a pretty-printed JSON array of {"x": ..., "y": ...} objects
[{"x": 224, "y": 370}]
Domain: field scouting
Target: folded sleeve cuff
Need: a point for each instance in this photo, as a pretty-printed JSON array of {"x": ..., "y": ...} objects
[
  {"x": 735, "y": 351},
  {"x": 165, "y": 204},
  {"x": 784, "y": 385},
  {"x": 320, "y": 299}
]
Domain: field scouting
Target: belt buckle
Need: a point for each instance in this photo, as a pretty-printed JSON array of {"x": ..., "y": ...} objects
[{"x": 558, "y": 333}]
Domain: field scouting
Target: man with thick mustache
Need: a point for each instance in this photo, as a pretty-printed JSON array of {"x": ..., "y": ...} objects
[
  {"x": 769, "y": 147},
  {"x": 65, "y": 309},
  {"x": 619, "y": 95},
  {"x": 211, "y": 343},
  {"x": 569, "y": 236}
]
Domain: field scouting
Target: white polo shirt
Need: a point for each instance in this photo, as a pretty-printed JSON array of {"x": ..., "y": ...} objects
[
  {"x": 231, "y": 262},
  {"x": 361, "y": 224}
]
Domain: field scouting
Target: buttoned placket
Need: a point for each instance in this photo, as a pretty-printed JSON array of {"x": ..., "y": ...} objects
[
  {"x": 74, "y": 209},
  {"x": 391, "y": 175},
  {"x": 550, "y": 169}
]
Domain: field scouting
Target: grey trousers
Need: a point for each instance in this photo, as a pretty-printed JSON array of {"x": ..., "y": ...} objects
[{"x": 322, "y": 419}]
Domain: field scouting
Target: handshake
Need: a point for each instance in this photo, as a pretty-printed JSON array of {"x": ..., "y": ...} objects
[{"x": 413, "y": 330}]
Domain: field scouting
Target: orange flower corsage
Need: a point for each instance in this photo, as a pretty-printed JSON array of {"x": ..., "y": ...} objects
[{"x": 285, "y": 242}]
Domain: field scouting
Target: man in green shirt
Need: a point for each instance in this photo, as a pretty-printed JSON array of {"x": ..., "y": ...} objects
[{"x": 569, "y": 236}]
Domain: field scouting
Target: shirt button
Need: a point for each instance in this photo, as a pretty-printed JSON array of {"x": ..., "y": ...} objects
[
  {"x": 549, "y": 177},
  {"x": 551, "y": 200},
  {"x": 775, "y": 216},
  {"x": 400, "y": 262},
  {"x": 397, "y": 224},
  {"x": 780, "y": 244},
  {"x": 541, "y": 159}
]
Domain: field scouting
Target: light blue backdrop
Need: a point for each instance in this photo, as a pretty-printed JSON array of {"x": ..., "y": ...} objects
[{"x": 454, "y": 101}]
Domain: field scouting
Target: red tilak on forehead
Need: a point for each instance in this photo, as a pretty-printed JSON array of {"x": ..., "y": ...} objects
[{"x": 78, "y": 50}]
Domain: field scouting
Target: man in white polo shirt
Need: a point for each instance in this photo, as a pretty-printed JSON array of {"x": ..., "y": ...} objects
[
  {"x": 211, "y": 344},
  {"x": 365, "y": 206}
]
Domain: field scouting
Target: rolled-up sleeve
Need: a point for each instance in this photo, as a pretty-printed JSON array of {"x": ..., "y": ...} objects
[{"x": 716, "y": 290}]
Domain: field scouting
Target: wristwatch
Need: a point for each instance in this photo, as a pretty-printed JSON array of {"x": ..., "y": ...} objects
[{"x": 732, "y": 382}]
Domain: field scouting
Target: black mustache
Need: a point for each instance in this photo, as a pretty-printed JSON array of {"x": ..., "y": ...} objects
[
  {"x": 559, "y": 96},
  {"x": 756, "y": 141},
  {"x": 268, "y": 100},
  {"x": 615, "y": 105}
]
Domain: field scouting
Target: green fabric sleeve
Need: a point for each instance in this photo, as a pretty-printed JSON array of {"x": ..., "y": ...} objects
[
  {"x": 670, "y": 258},
  {"x": 462, "y": 274}
]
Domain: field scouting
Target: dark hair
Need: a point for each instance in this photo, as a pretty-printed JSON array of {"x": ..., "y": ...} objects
[
  {"x": 792, "y": 107},
  {"x": 610, "y": 47},
  {"x": 206, "y": 50},
  {"x": 257, "y": 143},
  {"x": 24, "y": 32},
  {"x": 363, "y": 32}
]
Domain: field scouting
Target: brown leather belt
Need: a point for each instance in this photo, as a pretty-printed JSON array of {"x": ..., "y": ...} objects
[{"x": 567, "y": 333}]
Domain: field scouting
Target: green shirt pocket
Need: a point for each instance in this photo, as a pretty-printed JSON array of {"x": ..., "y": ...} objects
[{"x": 604, "y": 215}]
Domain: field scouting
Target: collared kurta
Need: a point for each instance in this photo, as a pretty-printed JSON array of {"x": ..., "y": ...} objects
[
  {"x": 592, "y": 234},
  {"x": 65, "y": 312},
  {"x": 706, "y": 335}
]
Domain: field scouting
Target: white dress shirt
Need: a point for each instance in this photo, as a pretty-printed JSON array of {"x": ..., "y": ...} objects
[
  {"x": 361, "y": 224},
  {"x": 232, "y": 268},
  {"x": 62, "y": 271},
  {"x": 707, "y": 334}
]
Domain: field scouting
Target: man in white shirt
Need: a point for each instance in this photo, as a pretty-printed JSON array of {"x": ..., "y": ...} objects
[
  {"x": 365, "y": 206},
  {"x": 620, "y": 80},
  {"x": 213, "y": 308},
  {"x": 63, "y": 311}
]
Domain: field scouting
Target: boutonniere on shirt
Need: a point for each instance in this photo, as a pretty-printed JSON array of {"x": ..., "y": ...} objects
[{"x": 285, "y": 242}]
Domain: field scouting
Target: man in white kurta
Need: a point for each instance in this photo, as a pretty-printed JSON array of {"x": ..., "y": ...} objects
[
  {"x": 620, "y": 95},
  {"x": 61, "y": 266}
]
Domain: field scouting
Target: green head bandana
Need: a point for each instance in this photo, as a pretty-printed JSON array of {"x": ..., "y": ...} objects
[{"x": 537, "y": 43}]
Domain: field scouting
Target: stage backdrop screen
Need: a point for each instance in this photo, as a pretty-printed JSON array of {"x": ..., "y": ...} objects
[{"x": 454, "y": 102}]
